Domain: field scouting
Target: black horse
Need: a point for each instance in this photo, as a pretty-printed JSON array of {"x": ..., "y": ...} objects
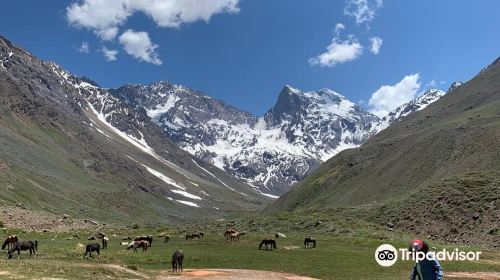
[
  {"x": 93, "y": 247},
  {"x": 32, "y": 246},
  {"x": 308, "y": 240},
  {"x": 177, "y": 260},
  {"x": 267, "y": 242},
  {"x": 193, "y": 236},
  {"x": 145, "y": 238},
  {"x": 10, "y": 240}
]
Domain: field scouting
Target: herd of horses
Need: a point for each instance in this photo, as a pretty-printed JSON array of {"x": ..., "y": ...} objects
[{"x": 13, "y": 244}]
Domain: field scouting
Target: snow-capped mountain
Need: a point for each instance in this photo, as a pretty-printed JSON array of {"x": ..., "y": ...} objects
[
  {"x": 271, "y": 152},
  {"x": 86, "y": 148},
  {"x": 453, "y": 86},
  {"x": 416, "y": 104}
]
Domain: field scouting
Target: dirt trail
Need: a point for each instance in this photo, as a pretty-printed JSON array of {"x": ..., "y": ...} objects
[
  {"x": 473, "y": 275},
  {"x": 230, "y": 274}
]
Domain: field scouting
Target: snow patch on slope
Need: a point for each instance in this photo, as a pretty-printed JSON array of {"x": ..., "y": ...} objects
[{"x": 164, "y": 178}]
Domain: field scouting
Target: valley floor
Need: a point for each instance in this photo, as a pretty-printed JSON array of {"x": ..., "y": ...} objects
[{"x": 61, "y": 257}]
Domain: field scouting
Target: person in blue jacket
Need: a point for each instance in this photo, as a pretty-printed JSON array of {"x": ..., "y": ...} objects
[{"x": 426, "y": 269}]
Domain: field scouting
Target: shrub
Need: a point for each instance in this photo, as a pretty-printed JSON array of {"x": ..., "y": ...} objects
[
  {"x": 2, "y": 224},
  {"x": 132, "y": 267},
  {"x": 135, "y": 226}
]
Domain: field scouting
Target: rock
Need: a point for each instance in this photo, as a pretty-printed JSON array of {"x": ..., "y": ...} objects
[
  {"x": 91, "y": 222},
  {"x": 279, "y": 235},
  {"x": 65, "y": 216},
  {"x": 475, "y": 216},
  {"x": 391, "y": 225}
]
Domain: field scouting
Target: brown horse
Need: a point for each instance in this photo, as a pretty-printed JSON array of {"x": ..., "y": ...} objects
[
  {"x": 228, "y": 232},
  {"x": 177, "y": 260},
  {"x": 234, "y": 236},
  {"x": 10, "y": 240},
  {"x": 147, "y": 238},
  {"x": 32, "y": 246},
  {"x": 267, "y": 242},
  {"x": 138, "y": 244}
]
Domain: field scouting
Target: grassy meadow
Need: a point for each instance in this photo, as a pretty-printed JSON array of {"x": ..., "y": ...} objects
[{"x": 335, "y": 257}]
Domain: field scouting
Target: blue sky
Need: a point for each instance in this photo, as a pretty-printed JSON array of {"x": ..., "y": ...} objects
[{"x": 249, "y": 49}]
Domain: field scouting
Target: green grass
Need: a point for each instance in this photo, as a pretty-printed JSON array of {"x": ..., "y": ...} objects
[{"x": 334, "y": 258}]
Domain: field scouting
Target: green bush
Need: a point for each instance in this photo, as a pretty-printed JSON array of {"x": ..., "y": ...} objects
[
  {"x": 135, "y": 226},
  {"x": 1, "y": 224}
]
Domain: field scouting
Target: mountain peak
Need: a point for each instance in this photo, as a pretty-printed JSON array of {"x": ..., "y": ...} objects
[
  {"x": 289, "y": 89},
  {"x": 453, "y": 86}
]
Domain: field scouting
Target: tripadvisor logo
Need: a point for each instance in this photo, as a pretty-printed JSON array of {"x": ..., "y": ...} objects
[{"x": 387, "y": 255}]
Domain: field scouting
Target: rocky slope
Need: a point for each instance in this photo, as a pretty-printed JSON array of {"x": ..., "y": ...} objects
[
  {"x": 272, "y": 152},
  {"x": 416, "y": 104},
  {"x": 66, "y": 143}
]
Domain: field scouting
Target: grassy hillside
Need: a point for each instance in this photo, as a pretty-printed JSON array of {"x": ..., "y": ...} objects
[
  {"x": 461, "y": 208},
  {"x": 433, "y": 174},
  {"x": 456, "y": 134},
  {"x": 69, "y": 147}
]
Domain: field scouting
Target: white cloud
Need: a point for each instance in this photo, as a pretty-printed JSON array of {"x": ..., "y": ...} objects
[
  {"x": 362, "y": 10},
  {"x": 105, "y": 17},
  {"x": 84, "y": 47},
  {"x": 338, "y": 52},
  {"x": 431, "y": 84},
  {"x": 376, "y": 44},
  {"x": 139, "y": 46},
  {"x": 388, "y": 98},
  {"x": 339, "y": 27},
  {"x": 110, "y": 55}
]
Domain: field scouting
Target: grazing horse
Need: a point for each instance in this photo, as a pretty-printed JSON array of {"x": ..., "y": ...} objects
[
  {"x": 10, "y": 240},
  {"x": 105, "y": 242},
  {"x": 147, "y": 238},
  {"x": 32, "y": 246},
  {"x": 267, "y": 242},
  {"x": 193, "y": 236},
  {"x": 228, "y": 232},
  {"x": 93, "y": 247},
  {"x": 308, "y": 240},
  {"x": 167, "y": 238},
  {"x": 234, "y": 236},
  {"x": 177, "y": 259},
  {"x": 138, "y": 244}
]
